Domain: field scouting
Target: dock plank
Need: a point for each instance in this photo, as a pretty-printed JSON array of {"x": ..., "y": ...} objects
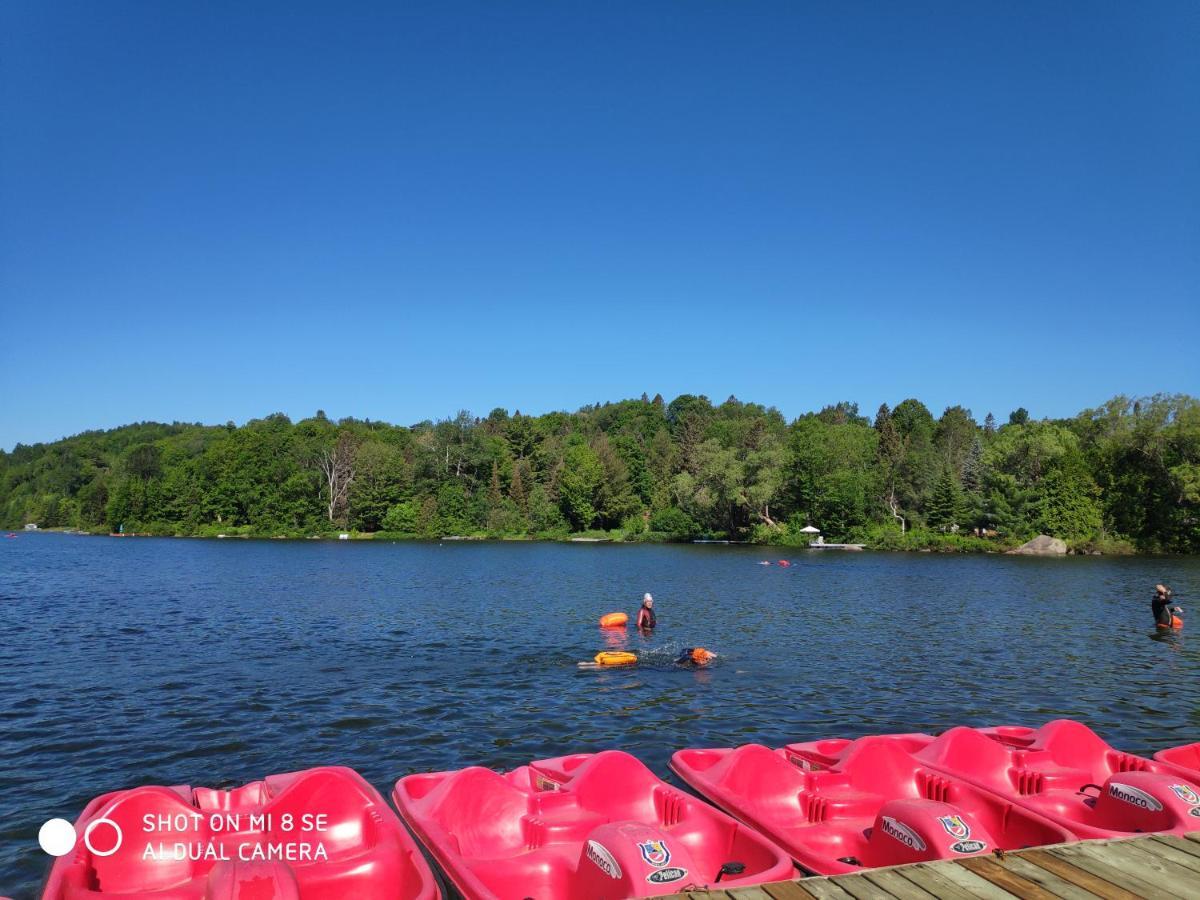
[
  {"x": 1171, "y": 853},
  {"x": 893, "y": 884},
  {"x": 1157, "y": 870},
  {"x": 1003, "y": 878},
  {"x": 1177, "y": 844},
  {"x": 1068, "y": 871},
  {"x": 859, "y": 887},
  {"x": 788, "y": 890},
  {"x": 977, "y": 886},
  {"x": 939, "y": 881},
  {"x": 1051, "y": 882},
  {"x": 748, "y": 893},
  {"x": 1153, "y": 867},
  {"x": 824, "y": 889},
  {"x": 1102, "y": 863}
]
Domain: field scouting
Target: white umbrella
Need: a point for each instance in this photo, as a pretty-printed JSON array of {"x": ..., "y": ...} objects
[{"x": 808, "y": 529}]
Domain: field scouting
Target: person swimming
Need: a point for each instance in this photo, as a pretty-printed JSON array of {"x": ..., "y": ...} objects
[
  {"x": 1164, "y": 612},
  {"x": 694, "y": 657},
  {"x": 646, "y": 618}
]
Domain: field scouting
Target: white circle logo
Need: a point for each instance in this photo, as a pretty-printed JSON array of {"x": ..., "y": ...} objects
[
  {"x": 87, "y": 836},
  {"x": 57, "y": 837}
]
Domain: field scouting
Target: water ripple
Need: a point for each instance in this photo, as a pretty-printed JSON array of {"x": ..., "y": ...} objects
[{"x": 217, "y": 662}]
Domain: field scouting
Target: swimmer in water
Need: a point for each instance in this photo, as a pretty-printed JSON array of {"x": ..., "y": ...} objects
[
  {"x": 1164, "y": 612},
  {"x": 695, "y": 657},
  {"x": 646, "y": 618}
]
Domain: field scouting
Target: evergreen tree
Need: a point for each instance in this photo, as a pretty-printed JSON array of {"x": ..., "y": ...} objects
[
  {"x": 945, "y": 508},
  {"x": 495, "y": 494},
  {"x": 516, "y": 488},
  {"x": 972, "y": 467}
]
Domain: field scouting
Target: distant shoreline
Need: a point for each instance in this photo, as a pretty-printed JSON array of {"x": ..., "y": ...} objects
[{"x": 998, "y": 549}]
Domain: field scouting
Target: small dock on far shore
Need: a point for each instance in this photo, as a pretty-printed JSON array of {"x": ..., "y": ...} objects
[
  {"x": 1157, "y": 867},
  {"x": 816, "y": 545}
]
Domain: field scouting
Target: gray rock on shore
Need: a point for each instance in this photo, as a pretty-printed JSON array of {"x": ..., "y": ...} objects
[{"x": 1042, "y": 545}]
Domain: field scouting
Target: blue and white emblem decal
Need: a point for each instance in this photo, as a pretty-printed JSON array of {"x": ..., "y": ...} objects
[{"x": 656, "y": 853}]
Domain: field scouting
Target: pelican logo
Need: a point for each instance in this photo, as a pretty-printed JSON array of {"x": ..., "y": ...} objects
[
  {"x": 656, "y": 853},
  {"x": 666, "y": 876},
  {"x": 967, "y": 846},
  {"x": 604, "y": 860},
  {"x": 1133, "y": 796},
  {"x": 1186, "y": 794},
  {"x": 902, "y": 833},
  {"x": 955, "y": 827}
]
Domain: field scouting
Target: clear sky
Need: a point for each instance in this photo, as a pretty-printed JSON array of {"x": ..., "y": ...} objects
[{"x": 214, "y": 211}]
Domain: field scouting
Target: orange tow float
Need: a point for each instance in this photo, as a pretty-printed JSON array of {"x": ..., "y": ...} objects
[{"x": 614, "y": 620}]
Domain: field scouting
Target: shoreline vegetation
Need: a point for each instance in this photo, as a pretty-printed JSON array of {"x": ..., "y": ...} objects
[
  {"x": 918, "y": 541},
  {"x": 1120, "y": 478}
]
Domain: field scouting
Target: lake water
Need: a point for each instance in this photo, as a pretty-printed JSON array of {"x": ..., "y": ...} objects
[{"x": 214, "y": 663}]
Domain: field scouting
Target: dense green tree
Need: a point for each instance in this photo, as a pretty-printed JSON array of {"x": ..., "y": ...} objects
[
  {"x": 673, "y": 521},
  {"x": 946, "y": 505},
  {"x": 401, "y": 518},
  {"x": 381, "y": 480},
  {"x": 1128, "y": 470},
  {"x": 579, "y": 484},
  {"x": 954, "y": 435},
  {"x": 831, "y": 474}
]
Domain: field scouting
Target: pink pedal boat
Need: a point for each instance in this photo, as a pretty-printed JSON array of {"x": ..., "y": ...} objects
[
  {"x": 587, "y": 826},
  {"x": 1186, "y": 757},
  {"x": 1067, "y": 773},
  {"x": 320, "y": 834},
  {"x": 844, "y": 806}
]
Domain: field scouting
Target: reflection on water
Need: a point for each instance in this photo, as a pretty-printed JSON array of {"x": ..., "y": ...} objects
[{"x": 216, "y": 662}]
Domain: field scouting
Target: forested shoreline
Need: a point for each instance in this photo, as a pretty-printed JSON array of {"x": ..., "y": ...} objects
[{"x": 1122, "y": 477}]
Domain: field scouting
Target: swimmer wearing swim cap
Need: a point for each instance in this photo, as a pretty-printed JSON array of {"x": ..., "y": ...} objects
[
  {"x": 646, "y": 618},
  {"x": 694, "y": 657}
]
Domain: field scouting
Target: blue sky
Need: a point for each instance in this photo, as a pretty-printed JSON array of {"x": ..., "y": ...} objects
[{"x": 216, "y": 211}]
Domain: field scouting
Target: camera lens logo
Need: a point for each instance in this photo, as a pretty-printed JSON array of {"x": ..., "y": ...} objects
[
  {"x": 57, "y": 837},
  {"x": 103, "y": 837}
]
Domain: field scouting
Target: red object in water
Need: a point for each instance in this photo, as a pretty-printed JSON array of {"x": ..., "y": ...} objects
[
  {"x": 784, "y": 563},
  {"x": 844, "y": 806},
  {"x": 256, "y": 842},
  {"x": 1066, "y": 772},
  {"x": 582, "y": 826},
  {"x": 1186, "y": 757}
]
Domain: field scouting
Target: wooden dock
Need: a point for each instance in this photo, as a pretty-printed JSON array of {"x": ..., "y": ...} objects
[{"x": 1156, "y": 867}]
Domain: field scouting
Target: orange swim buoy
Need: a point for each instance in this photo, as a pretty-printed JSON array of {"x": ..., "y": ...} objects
[
  {"x": 615, "y": 658},
  {"x": 784, "y": 563},
  {"x": 1176, "y": 623},
  {"x": 702, "y": 657},
  {"x": 614, "y": 620}
]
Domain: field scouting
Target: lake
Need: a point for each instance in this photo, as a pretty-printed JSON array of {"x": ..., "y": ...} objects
[{"x": 217, "y": 662}]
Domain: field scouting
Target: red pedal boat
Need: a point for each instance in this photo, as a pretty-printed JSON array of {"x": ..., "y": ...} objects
[
  {"x": 321, "y": 834},
  {"x": 587, "y": 826},
  {"x": 1186, "y": 757},
  {"x": 843, "y": 806},
  {"x": 1066, "y": 772}
]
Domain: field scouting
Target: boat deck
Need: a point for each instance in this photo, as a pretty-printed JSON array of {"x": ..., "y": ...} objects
[{"x": 1158, "y": 867}]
